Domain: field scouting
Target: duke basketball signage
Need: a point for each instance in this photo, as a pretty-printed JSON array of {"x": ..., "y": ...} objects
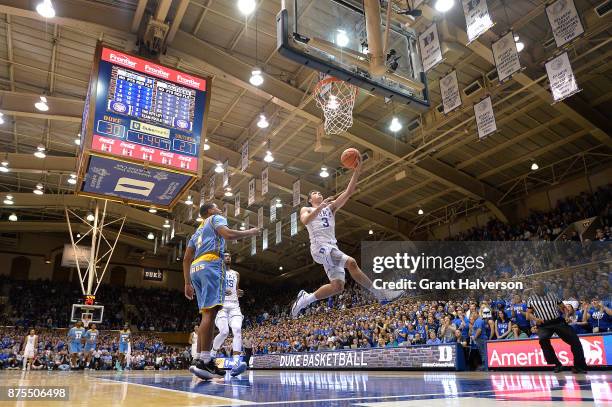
[
  {"x": 527, "y": 353},
  {"x": 444, "y": 357}
]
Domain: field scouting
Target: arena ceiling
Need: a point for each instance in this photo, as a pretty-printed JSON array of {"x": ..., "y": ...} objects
[{"x": 435, "y": 164}]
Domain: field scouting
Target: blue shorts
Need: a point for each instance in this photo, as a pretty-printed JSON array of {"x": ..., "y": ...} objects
[
  {"x": 208, "y": 280},
  {"x": 76, "y": 347},
  {"x": 123, "y": 347},
  {"x": 90, "y": 347}
]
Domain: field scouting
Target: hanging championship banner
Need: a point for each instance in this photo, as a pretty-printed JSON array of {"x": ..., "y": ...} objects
[
  {"x": 225, "y": 173},
  {"x": 506, "y": 56},
  {"x": 244, "y": 161},
  {"x": 237, "y": 204},
  {"x": 296, "y": 193},
  {"x": 251, "y": 199},
  {"x": 564, "y": 21},
  {"x": 260, "y": 218},
  {"x": 294, "y": 224},
  {"x": 279, "y": 234},
  {"x": 449, "y": 90},
  {"x": 477, "y": 18},
  {"x": 485, "y": 119},
  {"x": 211, "y": 191},
  {"x": 264, "y": 240},
  {"x": 272, "y": 210},
  {"x": 225, "y": 209},
  {"x": 562, "y": 80},
  {"x": 253, "y": 245},
  {"x": 431, "y": 53},
  {"x": 264, "y": 181}
]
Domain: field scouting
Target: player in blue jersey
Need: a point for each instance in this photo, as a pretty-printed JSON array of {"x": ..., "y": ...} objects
[
  {"x": 204, "y": 272},
  {"x": 124, "y": 346},
  {"x": 75, "y": 339},
  {"x": 91, "y": 341}
]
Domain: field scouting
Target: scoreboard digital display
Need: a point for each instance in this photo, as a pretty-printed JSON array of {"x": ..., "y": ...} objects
[
  {"x": 148, "y": 112},
  {"x": 141, "y": 132}
]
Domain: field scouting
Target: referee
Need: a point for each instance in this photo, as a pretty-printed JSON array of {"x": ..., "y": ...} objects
[{"x": 546, "y": 310}]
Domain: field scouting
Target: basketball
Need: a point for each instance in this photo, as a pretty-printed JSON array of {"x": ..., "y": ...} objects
[{"x": 350, "y": 158}]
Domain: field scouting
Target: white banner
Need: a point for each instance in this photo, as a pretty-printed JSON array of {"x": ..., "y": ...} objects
[
  {"x": 237, "y": 204},
  {"x": 69, "y": 258},
  {"x": 294, "y": 224},
  {"x": 562, "y": 81},
  {"x": 211, "y": 188},
  {"x": 264, "y": 181},
  {"x": 264, "y": 240},
  {"x": 296, "y": 193},
  {"x": 251, "y": 198},
  {"x": 506, "y": 56},
  {"x": 449, "y": 90},
  {"x": 564, "y": 21},
  {"x": 279, "y": 232},
  {"x": 272, "y": 210},
  {"x": 225, "y": 209},
  {"x": 225, "y": 173},
  {"x": 485, "y": 119},
  {"x": 244, "y": 154},
  {"x": 477, "y": 18},
  {"x": 253, "y": 245},
  {"x": 202, "y": 196},
  {"x": 260, "y": 218},
  {"x": 431, "y": 53}
]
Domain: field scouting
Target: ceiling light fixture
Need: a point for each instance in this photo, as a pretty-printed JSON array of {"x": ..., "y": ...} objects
[
  {"x": 40, "y": 151},
  {"x": 228, "y": 191},
  {"x": 189, "y": 201},
  {"x": 342, "y": 39},
  {"x": 256, "y": 78},
  {"x": 45, "y": 9},
  {"x": 242, "y": 227},
  {"x": 534, "y": 166},
  {"x": 219, "y": 168},
  {"x": 1, "y": 118},
  {"x": 152, "y": 210},
  {"x": 263, "y": 122},
  {"x": 42, "y": 104},
  {"x": 444, "y": 5},
  {"x": 370, "y": 232},
  {"x": 166, "y": 224},
  {"x": 72, "y": 180},
  {"x": 77, "y": 141},
  {"x": 246, "y": 7},
  {"x": 12, "y": 217},
  {"x": 40, "y": 189},
  {"x": 206, "y": 145},
  {"x": 280, "y": 268},
  {"x": 150, "y": 236},
  {"x": 324, "y": 173},
  {"x": 279, "y": 203},
  {"x": 8, "y": 200},
  {"x": 420, "y": 212},
  {"x": 90, "y": 217},
  {"x": 4, "y": 167},
  {"x": 395, "y": 125}
]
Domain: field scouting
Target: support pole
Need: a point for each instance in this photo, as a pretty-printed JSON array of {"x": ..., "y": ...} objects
[{"x": 92, "y": 258}]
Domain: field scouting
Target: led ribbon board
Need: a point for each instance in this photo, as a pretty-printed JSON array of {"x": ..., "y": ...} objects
[{"x": 143, "y": 122}]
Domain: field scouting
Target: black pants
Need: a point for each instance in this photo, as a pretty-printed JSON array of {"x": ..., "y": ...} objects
[
  {"x": 567, "y": 335},
  {"x": 248, "y": 352}
]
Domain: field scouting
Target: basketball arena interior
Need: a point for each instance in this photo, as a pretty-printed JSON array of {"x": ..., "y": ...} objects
[{"x": 305, "y": 203}]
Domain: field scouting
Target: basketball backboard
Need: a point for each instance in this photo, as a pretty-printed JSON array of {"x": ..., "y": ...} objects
[
  {"x": 94, "y": 313},
  {"x": 331, "y": 36}
]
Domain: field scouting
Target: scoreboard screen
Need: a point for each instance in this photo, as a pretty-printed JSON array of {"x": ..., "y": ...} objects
[{"x": 147, "y": 112}]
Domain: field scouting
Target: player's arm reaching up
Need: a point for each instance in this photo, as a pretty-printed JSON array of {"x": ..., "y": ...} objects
[{"x": 350, "y": 189}]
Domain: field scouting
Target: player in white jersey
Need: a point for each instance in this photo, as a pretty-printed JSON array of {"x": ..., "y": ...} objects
[
  {"x": 29, "y": 349},
  {"x": 230, "y": 316},
  {"x": 320, "y": 221},
  {"x": 193, "y": 340}
]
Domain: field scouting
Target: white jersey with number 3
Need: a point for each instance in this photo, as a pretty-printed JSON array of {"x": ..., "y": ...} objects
[{"x": 322, "y": 229}]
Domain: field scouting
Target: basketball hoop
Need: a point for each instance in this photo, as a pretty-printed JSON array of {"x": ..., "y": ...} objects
[{"x": 336, "y": 98}]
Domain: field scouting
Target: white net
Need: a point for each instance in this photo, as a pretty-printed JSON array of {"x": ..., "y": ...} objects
[{"x": 336, "y": 98}]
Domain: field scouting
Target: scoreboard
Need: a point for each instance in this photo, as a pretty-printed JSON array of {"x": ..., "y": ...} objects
[{"x": 142, "y": 128}]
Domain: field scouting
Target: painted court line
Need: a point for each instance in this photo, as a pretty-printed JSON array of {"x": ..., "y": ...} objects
[{"x": 189, "y": 393}]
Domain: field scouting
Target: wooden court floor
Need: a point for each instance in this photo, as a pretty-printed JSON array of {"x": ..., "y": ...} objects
[{"x": 320, "y": 388}]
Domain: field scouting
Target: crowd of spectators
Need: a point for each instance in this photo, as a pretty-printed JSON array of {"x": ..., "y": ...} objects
[{"x": 148, "y": 351}]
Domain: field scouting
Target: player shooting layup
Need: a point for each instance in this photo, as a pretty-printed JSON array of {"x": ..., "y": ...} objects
[
  {"x": 206, "y": 277},
  {"x": 320, "y": 222},
  {"x": 230, "y": 316}
]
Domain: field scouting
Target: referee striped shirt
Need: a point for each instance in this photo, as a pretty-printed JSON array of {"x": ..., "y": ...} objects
[{"x": 545, "y": 306}]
